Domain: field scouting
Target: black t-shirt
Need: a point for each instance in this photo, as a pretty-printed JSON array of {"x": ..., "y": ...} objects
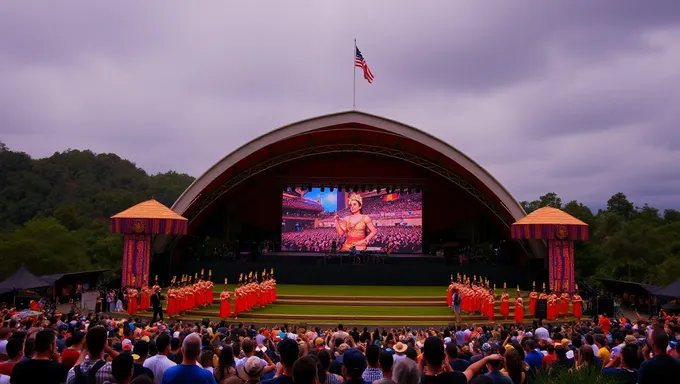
[
  {"x": 659, "y": 369},
  {"x": 445, "y": 378},
  {"x": 139, "y": 369},
  {"x": 38, "y": 371}
]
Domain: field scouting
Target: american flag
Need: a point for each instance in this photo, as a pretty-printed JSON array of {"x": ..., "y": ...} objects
[{"x": 361, "y": 63}]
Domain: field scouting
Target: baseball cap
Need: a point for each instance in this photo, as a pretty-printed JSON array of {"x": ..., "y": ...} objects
[
  {"x": 127, "y": 345},
  {"x": 354, "y": 361}
]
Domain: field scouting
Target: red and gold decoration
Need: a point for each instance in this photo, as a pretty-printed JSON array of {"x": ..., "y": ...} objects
[
  {"x": 560, "y": 229},
  {"x": 137, "y": 224}
]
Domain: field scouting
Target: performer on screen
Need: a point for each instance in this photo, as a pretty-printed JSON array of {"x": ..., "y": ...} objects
[{"x": 358, "y": 227}]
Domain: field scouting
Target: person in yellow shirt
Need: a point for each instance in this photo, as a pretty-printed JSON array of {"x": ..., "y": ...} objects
[{"x": 602, "y": 350}]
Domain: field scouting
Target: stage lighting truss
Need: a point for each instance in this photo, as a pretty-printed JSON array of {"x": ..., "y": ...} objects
[{"x": 209, "y": 198}]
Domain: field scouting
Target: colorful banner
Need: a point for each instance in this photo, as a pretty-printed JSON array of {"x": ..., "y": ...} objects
[
  {"x": 561, "y": 265},
  {"x": 136, "y": 257},
  {"x": 149, "y": 226},
  {"x": 390, "y": 197},
  {"x": 550, "y": 231}
]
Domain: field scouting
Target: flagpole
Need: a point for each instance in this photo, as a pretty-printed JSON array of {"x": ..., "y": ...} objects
[{"x": 354, "y": 76}]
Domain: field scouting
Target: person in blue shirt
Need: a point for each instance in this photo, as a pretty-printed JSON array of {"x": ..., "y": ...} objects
[
  {"x": 188, "y": 372},
  {"x": 533, "y": 358}
]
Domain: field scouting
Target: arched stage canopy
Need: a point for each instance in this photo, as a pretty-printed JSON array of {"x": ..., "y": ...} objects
[{"x": 349, "y": 132}]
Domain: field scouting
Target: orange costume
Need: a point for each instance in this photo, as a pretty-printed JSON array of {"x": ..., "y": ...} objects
[
  {"x": 519, "y": 309},
  {"x": 552, "y": 306},
  {"x": 132, "y": 301},
  {"x": 145, "y": 299},
  {"x": 505, "y": 304},
  {"x": 355, "y": 226},
  {"x": 490, "y": 304},
  {"x": 449, "y": 295},
  {"x": 533, "y": 296},
  {"x": 225, "y": 307},
  {"x": 172, "y": 302},
  {"x": 576, "y": 305},
  {"x": 564, "y": 304}
]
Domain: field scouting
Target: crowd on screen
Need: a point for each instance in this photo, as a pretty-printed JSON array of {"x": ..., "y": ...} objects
[
  {"x": 401, "y": 239},
  {"x": 295, "y": 207},
  {"x": 304, "y": 204},
  {"x": 97, "y": 348}
]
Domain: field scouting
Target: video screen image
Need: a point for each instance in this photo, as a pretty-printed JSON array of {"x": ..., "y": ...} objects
[{"x": 320, "y": 221}]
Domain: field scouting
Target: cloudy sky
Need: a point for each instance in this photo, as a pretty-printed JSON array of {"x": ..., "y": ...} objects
[{"x": 576, "y": 97}]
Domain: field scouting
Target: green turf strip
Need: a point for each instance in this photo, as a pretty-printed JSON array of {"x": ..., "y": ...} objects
[{"x": 349, "y": 310}]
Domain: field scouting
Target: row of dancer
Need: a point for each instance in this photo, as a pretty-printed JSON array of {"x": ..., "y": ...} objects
[
  {"x": 250, "y": 293},
  {"x": 140, "y": 300},
  {"x": 477, "y": 295},
  {"x": 189, "y": 293}
]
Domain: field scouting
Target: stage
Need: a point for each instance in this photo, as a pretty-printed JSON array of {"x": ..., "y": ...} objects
[{"x": 342, "y": 269}]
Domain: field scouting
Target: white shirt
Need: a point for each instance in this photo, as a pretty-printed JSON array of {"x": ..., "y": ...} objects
[
  {"x": 4, "y": 379},
  {"x": 158, "y": 364},
  {"x": 3, "y": 347}
]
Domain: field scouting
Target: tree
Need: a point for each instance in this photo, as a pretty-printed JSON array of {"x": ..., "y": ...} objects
[
  {"x": 671, "y": 215},
  {"x": 550, "y": 199},
  {"x": 620, "y": 205},
  {"x": 45, "y": 246}
]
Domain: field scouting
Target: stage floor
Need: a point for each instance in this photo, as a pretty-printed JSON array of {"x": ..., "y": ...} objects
[{"x": 352, "y": 305}]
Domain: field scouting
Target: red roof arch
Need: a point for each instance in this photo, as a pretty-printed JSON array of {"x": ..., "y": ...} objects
[{"x": 349, "y": 131}]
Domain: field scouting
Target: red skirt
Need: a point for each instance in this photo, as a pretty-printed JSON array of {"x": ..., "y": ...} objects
[
  {"x": 225, "y": 310},
  {"x": 505, "y": 308},
  {"x": 519, "y": 314}
]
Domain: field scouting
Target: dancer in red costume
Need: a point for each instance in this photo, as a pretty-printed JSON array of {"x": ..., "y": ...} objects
[
  {"x": 145, "y": 299},
  {"x": 505, "y": 303},
  {"x": 225, "y": 306},
  {"x": 449, "y": 293},
  {"x": 553, "y": 307},
  {"x": 490, "y": 307},
  {"x": 564, "y": 304},
  {"x": 132, "y": 301},
  {"x": 576, "y": 304},
  {"x": 519, "y": 308},
  {"x": 533, "y": 296}
]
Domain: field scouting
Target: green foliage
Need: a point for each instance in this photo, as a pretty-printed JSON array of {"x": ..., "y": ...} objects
[
  {"x": 581, "y": 376},
  {"x": 54, "y": 212}
]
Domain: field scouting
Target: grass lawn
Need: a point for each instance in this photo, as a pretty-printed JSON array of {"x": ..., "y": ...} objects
[{"x": 349, "y": 310}]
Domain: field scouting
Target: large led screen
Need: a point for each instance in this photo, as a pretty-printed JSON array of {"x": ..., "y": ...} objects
[{"x": 315, "y": 220}]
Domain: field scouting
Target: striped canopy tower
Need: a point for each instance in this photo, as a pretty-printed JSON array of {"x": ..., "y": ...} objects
[
  {"x": 560, "y": 230},
  {"x": 138, "y": 224}
]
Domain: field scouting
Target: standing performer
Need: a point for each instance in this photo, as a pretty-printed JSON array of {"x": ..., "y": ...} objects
[
  {"x": 533, "y": 296},
  {"x": 133, "y": 306},
  {"x": 505, "y": 302},
  {"x": 172, "y": 298},
  {"x": 576, "y": 304},
  {"x": 519, "y": 308},
  {"x": 273, "y": 282},
  {"x": 564, "y": 304},
  {"x": 157, "y": 305},
  {"x": 144, "y": 300},
  {"x": 449, "y": 293},
  {"x": 225, "y": 310},
  {"x": 552, "y": 306},
  {"x": 490, "y": 307}
]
